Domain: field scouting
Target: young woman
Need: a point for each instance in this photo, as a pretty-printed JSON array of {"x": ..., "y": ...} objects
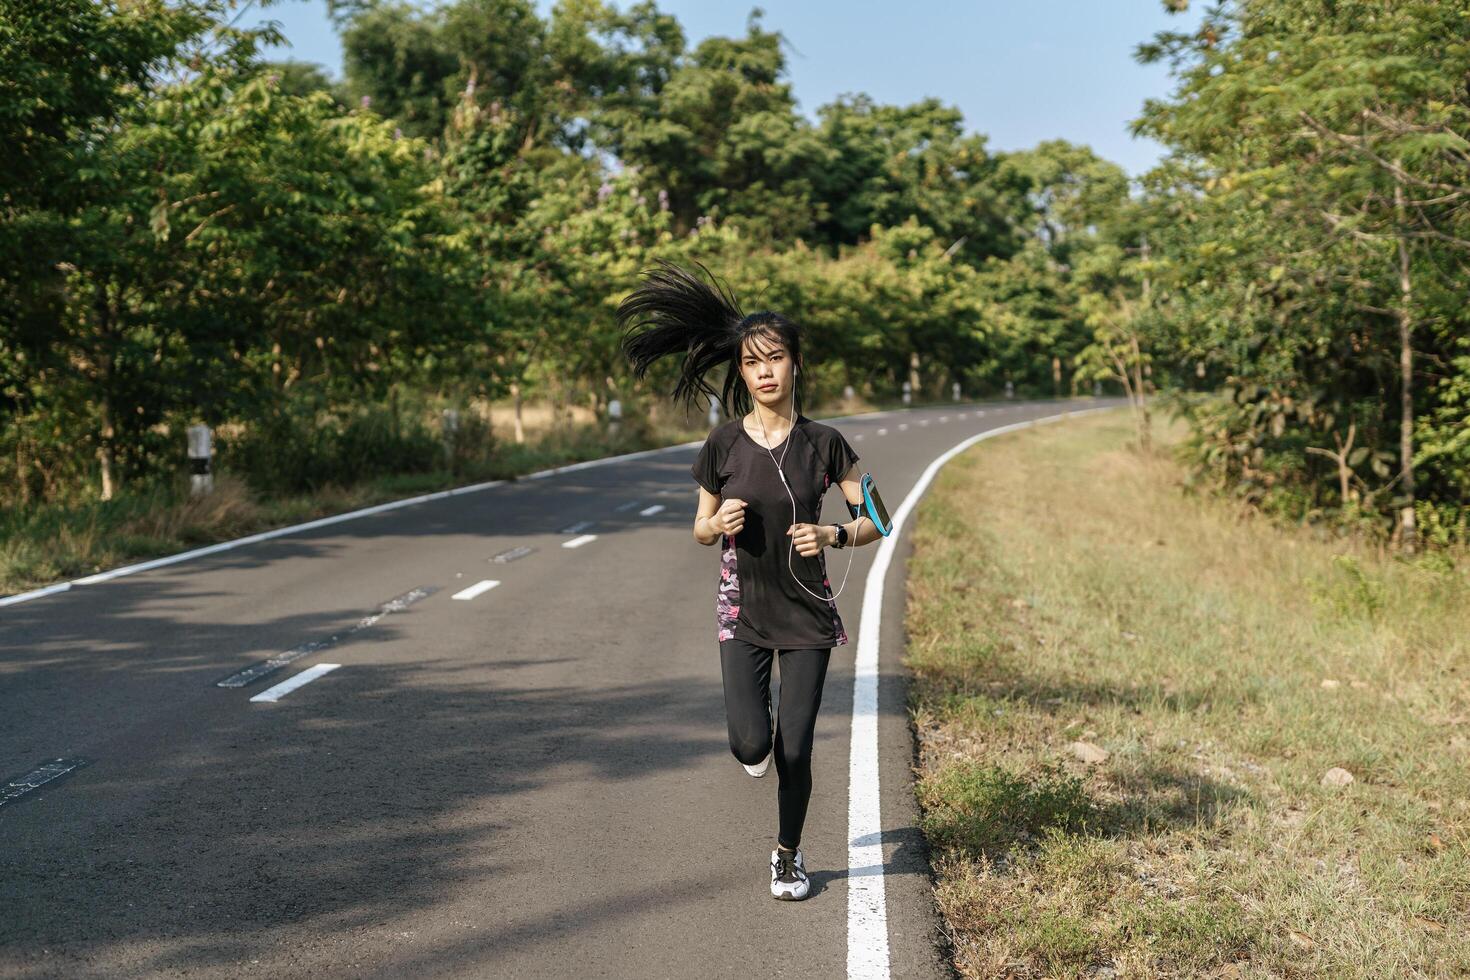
[{"x": 762, "y": 477}]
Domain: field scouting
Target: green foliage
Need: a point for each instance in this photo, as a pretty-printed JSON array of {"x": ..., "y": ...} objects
[
  {"x": 50, "y": 106},
  {"x": 239, "y": 240},
  {"x": 300, "y": 447},
  {"x": 300, "y": 78},
  {"x": 1315, "y": 219},
  {"x": 227, "y": 240}
]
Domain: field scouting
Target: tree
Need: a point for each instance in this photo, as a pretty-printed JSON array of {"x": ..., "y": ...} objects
[{"x": 1344, "y": 122}]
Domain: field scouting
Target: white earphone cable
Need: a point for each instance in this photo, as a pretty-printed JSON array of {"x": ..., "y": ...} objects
[{"x": 791, "y": 547}]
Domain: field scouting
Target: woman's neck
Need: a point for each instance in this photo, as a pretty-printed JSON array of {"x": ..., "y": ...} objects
[{"x": 773, "y": 422}]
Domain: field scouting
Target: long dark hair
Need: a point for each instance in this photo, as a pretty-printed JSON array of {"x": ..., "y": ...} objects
[{"x": 675, "y": 312}]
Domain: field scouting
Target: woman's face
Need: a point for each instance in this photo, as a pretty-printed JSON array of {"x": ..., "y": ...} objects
[{"x": 768, "y": 371}]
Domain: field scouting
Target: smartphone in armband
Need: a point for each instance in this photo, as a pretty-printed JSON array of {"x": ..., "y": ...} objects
[{"x": 872, "y": 506}]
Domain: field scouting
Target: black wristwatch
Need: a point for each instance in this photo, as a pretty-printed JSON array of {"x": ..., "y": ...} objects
[{"x": 841, "y": 536}]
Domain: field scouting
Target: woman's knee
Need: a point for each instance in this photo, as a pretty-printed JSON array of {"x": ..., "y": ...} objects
[
  {"x": 796, "y": 755},
  {"x": 750, "y": 749}
]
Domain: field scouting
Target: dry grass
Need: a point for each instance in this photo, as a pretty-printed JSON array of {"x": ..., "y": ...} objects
[{"x": 1064, "y": 590}]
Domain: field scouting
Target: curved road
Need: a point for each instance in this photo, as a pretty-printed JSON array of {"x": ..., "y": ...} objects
[{"x": 529, "y": 779}]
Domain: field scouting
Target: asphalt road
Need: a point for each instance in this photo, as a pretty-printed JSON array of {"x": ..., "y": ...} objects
[{"x": 532, "y": 782}]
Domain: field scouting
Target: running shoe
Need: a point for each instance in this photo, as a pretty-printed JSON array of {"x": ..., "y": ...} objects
[
  {"x": 788, "y": 876},
  {"x": 759, "y": 769}
]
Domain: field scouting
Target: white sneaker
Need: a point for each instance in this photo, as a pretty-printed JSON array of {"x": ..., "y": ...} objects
[
  {"x": 759, "y": 769},
  {"x": 788, "y": 876}
]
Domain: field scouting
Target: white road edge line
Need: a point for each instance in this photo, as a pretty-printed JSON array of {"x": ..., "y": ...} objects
[
  {"x": 479, "y": 588},
  {"x": 579, "y": 541},
  {"x": 287, "y": 686},
  {"x": 867, "y": 910}
]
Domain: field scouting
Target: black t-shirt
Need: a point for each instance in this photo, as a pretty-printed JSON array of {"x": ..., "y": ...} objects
[{"x": 758, "y": 599}]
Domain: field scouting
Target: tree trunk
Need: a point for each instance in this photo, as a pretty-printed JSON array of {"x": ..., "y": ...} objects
[
  {"x": 914, "y": 373},
  {"x": 558, "y": 404},
  {"x": 106, "y": 453},
  {"x": 1408, "y": 533},
  {"x": 107, "y": 443},
  {"x": 1140, "y": 389},
  {"x": 515, "y": 393},
  {"x": 1145, "y": 436},
  {"x": 1056, "y": 377},
  {"x": 22, "y": 470}
]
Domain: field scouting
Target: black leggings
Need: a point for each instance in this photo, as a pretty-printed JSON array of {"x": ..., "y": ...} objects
[{"x": 747, "y": 674}]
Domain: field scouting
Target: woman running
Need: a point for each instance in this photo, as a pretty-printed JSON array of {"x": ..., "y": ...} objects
[{"x": 762, "y": 477}]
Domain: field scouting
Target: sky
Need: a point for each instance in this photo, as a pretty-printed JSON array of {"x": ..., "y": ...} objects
[{"x": 1019, "y": 72}]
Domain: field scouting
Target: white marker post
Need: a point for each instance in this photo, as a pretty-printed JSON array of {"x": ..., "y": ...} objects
[
  {"x": 201, "y": 480},
  {"x": 614, "y": 417}
]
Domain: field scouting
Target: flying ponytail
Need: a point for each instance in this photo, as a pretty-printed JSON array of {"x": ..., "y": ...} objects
[{"x": 684, "y": 315}]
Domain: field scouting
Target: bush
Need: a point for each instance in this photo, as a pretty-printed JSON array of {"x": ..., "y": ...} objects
[{"x": 300, "y": 448}]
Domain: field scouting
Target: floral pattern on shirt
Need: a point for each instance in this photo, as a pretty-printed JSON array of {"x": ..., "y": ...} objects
[
  {"x": 727, "y": 600},
  {"x": 838, "y": 633}
]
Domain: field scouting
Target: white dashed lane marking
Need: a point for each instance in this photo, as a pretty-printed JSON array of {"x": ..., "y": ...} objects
[
  {"x": 883, "y": 432},
  {"x": 479, "y": 588},
  {"x": 46, "y": 772},
  {"x": 650, "y": 511},
  {"x": 577, "y": 528},
  {"x": 578, "y": 542},
  {"x": 287, "y": 686},
  {"x": 255, "y": 672}
]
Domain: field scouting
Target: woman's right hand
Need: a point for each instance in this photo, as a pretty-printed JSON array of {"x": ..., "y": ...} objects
[{"x": 730, "y": 518}]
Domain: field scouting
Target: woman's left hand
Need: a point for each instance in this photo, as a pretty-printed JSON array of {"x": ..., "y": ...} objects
[{"x": 810, "y": 538}]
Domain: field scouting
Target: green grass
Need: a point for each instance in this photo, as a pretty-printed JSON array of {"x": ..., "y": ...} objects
[{"x": 1065, "y": 589}]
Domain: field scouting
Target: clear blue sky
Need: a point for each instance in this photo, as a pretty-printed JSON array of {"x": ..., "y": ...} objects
[{"x": 1021, "y": 71}]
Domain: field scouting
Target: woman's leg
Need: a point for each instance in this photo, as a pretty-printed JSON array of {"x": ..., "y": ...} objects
[
  {"x": 802, "y": 674},
  {"x": 746, "y": 669}
]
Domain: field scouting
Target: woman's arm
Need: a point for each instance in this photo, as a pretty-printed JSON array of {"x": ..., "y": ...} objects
[
  {"x": 860, "y": 529},
  {"x": 709, "y": 504}
]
